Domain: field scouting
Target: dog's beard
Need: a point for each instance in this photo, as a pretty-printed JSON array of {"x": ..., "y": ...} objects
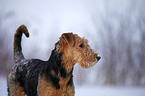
[{"x": 86, "y": 65}]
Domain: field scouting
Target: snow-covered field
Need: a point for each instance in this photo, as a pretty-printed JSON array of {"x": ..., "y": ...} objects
[
  {"x": 92, "y": 91},
  {"x": 109, "y": 91}
]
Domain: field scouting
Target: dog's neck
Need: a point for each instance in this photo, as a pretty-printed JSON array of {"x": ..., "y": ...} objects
[
  {"x": 67, "y": 63},
  {"x": 57, "y": 71},
  {"x": 63, "y": 64}
]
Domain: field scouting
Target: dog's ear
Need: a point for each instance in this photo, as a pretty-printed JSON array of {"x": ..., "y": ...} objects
[{"x": 66, "y": 39}]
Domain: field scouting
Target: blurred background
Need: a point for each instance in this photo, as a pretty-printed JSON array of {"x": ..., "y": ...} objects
[{"x": 114, "y": 28}]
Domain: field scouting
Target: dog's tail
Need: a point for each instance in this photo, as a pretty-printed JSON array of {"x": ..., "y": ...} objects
[{"x": 18, "y": 55}]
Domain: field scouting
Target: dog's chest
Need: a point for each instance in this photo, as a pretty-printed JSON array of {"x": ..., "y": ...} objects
[
  {"x": 46, "y": 88},
  {"x": 63, "y": 81}
]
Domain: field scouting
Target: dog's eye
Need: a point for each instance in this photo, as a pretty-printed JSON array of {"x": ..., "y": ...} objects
[{"x": 81, "y": 45}]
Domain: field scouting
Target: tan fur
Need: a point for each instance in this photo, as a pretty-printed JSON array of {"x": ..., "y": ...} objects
[
  {"x": 45, "y": 88},
  {"x": 16, "y": 90},
  {"x": 85, "y": 57}
]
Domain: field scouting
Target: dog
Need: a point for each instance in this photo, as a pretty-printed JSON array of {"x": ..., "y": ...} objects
[{"x": 34, "y": 77}]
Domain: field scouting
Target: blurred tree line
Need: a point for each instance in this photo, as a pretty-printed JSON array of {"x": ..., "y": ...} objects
[
  {"x": 122, "y": 48},
  {"x": 6, "y": 61},
  {"x": 123, "y": 45}
]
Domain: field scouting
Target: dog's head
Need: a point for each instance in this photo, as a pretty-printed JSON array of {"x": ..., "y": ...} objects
[{"x": 77, "y": 50}]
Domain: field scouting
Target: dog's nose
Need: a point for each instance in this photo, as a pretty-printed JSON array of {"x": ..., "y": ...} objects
[{"x": 98, "y": 58}]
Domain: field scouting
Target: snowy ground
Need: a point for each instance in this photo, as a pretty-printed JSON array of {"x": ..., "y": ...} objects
[
  {"x": 91, "y": 91},
  {"x": 109, "y": 91}
]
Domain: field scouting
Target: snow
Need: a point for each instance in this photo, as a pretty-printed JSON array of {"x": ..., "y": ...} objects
[
  {"x": 109, "y": 91},
  {"x": 91, "y": 90},
  {"x": 3, "y": 86}
]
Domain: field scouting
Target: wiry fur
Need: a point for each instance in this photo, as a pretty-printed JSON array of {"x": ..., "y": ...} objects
[{"x": 35, "y": 77}]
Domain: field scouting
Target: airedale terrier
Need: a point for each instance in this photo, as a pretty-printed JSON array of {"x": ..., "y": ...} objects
[{"x": 34, "y": 77}]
